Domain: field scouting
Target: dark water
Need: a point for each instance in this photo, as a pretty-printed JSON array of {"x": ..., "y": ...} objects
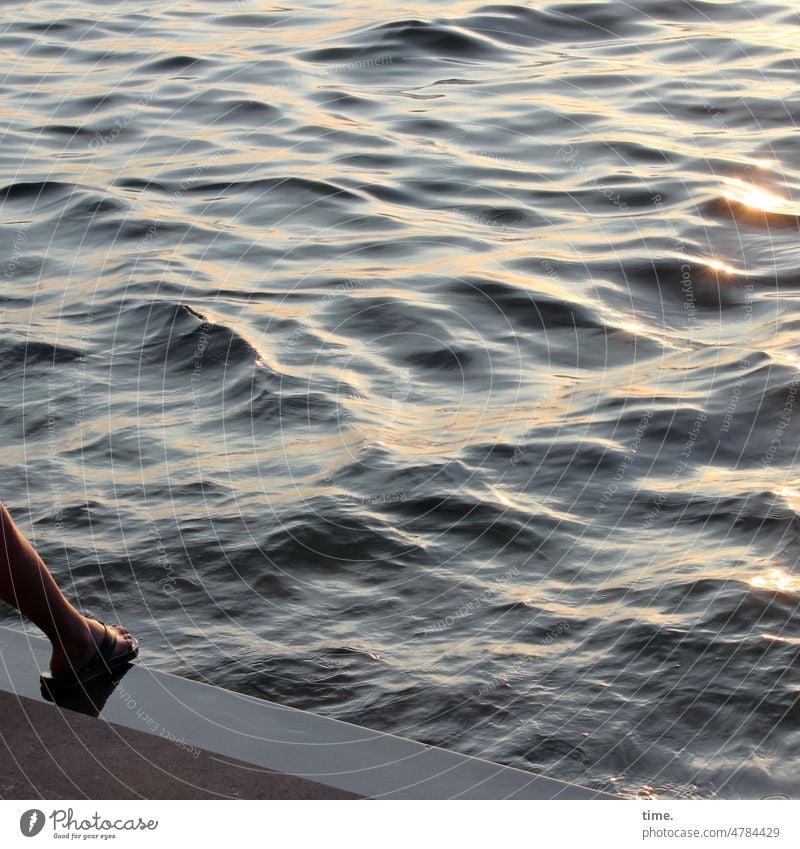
[{"x": 432, "y": 367}]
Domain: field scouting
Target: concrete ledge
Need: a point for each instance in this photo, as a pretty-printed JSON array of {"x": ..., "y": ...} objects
[
  {"x": 267, "y": 737},
  {"x": 49, "y": 753}
]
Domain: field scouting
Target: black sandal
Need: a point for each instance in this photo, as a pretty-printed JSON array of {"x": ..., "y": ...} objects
[{"x": 104, "y": 662}]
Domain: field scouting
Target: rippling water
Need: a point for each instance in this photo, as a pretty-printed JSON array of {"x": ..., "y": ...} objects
[{"x": 429, "y": 366}]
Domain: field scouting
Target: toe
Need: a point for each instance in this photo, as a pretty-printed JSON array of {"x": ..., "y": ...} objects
[{"x": 124, "y": 642}]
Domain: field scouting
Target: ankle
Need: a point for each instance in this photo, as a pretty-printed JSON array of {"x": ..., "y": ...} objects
[{"x": 73, "y": 635}]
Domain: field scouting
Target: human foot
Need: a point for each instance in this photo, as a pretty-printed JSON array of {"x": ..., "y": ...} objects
[{"x": 83, "y": 646}]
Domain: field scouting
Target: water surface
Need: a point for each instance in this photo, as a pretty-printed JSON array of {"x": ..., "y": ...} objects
[{"x": 428, "y": 366}]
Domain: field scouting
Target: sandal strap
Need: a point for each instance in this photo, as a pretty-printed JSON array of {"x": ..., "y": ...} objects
[{"x": 106, "y": 648}]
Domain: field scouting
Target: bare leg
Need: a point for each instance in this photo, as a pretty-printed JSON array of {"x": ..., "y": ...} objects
[{"x": 26, "y": 583}]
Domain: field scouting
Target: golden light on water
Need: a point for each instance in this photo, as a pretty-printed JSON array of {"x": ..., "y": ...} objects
[
  {"x": 720, "y": 266},
  {"x": 788, "y": 494},
  {"x": 780, "y": 638},
  {"x": 793, "y": 361},
  {"x": 755, "y": 197},
  {"x": 777, "y": 580}
]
